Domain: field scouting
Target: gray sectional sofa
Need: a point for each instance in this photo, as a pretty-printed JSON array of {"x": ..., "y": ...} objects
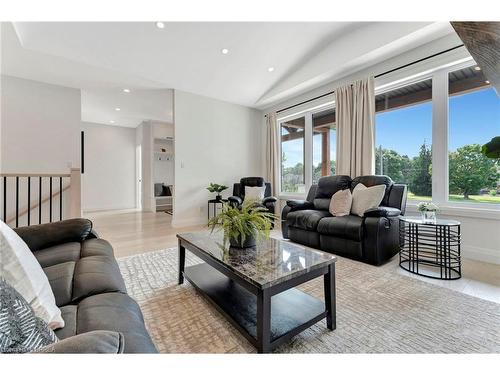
[{"x": 89, "y": 289}]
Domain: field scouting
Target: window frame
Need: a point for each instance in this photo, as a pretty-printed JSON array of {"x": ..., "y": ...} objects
[
  {"x": 308, "y": 147},
  {"x": 440, "y": 138}
]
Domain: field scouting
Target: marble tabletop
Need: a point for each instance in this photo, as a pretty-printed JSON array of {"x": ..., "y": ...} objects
[{"x": 271, "y": 262}]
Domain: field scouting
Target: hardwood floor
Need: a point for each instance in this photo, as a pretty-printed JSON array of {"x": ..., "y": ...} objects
[{"x": 135, "y": 232}]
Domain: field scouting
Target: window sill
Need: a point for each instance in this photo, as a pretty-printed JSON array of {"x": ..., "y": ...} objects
[
  {"x": 285, "y": 196},
  {"x": 462, "y": 210}
]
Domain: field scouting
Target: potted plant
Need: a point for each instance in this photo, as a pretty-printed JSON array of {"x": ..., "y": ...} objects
[
  {"x": 216, "y": 188},
  {"x": 428, "y": 211},
  {"x": 244, "y": 226}
]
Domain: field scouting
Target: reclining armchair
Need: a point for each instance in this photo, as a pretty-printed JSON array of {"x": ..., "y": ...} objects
[
  {"x": 373, "y": 238},
  {"x": 238, "y": 196}
]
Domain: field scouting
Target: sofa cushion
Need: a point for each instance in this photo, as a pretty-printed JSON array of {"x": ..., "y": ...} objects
[
  {"x": 115, "y": 312},
  {"x": 22, "y": 271},
  {"x": 69, "y": 313},
  {"x": 92, "y": 270},
  {"x": 96, "y": 246},
  {"x": 306, "y": 219},
  {"x": 349, "y": 227},
  {"x": 61, "y": 281},
  {"x": 21, "y": 330},
  {"x": 67, "y": 252},
  {"x": 97, "y": 274},
  {"x": 327, "y": 186},
  {"x": 372, "y": 180},
  {"x": 95, "y": 342}
]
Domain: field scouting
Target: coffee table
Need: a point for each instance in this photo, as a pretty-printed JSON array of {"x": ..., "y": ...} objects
[{"x": 254, "y": 288}]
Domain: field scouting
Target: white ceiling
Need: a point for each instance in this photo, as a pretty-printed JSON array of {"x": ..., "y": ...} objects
[
  {"x": 99, "y": 106},
  {"x": 102, "y": 58}
]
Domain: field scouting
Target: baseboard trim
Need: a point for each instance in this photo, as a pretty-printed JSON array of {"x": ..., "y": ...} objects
[{"x": 480, "y": 253}]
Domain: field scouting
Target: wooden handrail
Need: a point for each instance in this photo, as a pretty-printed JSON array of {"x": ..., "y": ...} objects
[
  {"x": 35, "y": 205},
  {"x": 35, "y": 175}
]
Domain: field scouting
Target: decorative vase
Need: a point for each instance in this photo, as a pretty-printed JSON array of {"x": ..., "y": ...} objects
[
  {"x": 236, "y": 242},
  {"x": 218, "y": 198},
  {"x": 429, "y": 217}
]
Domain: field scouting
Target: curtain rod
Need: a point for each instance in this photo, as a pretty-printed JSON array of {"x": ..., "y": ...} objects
[{"x": 378, "y": 75}]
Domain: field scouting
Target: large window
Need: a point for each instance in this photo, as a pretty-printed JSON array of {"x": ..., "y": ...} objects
[
  {"x": 292, "y": 156},
  {"x": 324, "y": 142},
  {"x": 474, "y": 118},
  {"x": 403, "y": 137}
]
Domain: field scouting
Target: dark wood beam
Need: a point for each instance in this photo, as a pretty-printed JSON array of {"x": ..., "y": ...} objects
[{"x": 482, "y": 40}]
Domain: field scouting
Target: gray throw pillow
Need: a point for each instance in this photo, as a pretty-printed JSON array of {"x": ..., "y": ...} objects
[{"x": 20, "y": 330}]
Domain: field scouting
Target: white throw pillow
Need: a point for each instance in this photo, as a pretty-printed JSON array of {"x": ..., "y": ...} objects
[
  {"x": 254, "y": 193},
  {"x": 19, "y": 268},
  {"x": 364, "y": 198},
  {"x": 340, "y": 204}
]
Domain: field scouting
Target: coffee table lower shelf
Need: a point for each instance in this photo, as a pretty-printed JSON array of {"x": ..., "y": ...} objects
[{"x": 292, "y": 311}]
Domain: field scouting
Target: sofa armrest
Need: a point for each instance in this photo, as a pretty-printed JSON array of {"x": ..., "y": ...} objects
[
  {"x": 41, "y": 236},
  {"x": 94, "y": 342},
  {"x": 235, "y": 200},
  {"x": 297, "y": 204},
  {"x": 382, "y": 212},
  {"x": 269, "y": 200}
]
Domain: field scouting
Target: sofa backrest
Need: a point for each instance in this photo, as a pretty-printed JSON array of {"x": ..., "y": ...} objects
[
  {"x": 327, "y": 186},
  {"x": 321, "y": 194},
  {"x": 239, "y": 188}
]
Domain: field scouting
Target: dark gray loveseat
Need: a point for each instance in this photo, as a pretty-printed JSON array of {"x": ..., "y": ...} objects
[
  {"x": 89, "y": 289},
  {"x": 373, "y": 238}
]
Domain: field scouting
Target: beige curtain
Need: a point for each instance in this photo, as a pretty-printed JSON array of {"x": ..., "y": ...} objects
[
  {"x": 272, "y": 151},
  {"x": 355, "y": 106}
]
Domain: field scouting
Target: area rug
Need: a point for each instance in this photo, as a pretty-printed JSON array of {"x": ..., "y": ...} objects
[{"x": 377, "y": 312}]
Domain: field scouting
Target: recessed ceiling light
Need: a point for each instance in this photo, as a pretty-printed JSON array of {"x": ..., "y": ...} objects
[
  {"x": 477, "y": 68},
  {"x": 225, "y": 51},
  {"x": 111, "y": 121},
  {"x": 487, "y": 82},
  {"x": 126, "y": 90},
  {"x": 270, "y": 69},
  {"x": 117, "y": 109},
  {"x": 160, "y": 25}
]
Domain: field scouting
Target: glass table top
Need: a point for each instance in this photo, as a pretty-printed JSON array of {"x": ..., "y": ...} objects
[
  {"x": 269, "y": 263},
  {"x": 418, "y": 220}
]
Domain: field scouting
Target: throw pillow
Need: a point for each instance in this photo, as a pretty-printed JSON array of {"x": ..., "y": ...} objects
[
  {"x": 255, "y": 193},
  {"x": 21, "y": 331},
  {"x": 340, "y": 204},
  {"x": 364, "y": 198},
  {"x": 20, "y": 269}
]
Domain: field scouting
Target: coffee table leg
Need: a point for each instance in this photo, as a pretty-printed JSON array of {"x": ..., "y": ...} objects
[
  {"x": 263, "y": 321},
  {"x": 182, "y": 260},
  {"x": 330, "y": 298}
]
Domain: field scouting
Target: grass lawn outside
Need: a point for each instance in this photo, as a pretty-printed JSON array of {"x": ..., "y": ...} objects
[{"x": 460, "y": 198}]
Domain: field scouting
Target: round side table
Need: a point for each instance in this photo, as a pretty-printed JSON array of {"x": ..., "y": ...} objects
[{"x": 430, "y": 249}]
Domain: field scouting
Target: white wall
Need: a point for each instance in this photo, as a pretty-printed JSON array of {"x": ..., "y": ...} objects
[
  {"x": 214, "y": 142},
  {"x": 40, "y": 127},
  {"x": 109, "y": 181}
]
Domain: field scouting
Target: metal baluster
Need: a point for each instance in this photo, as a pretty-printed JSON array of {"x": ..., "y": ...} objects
[
  {"x": 17, "y": 201},
  {"x": 60, "y": 198},
  {"x": 29, "y": 199},
  {"x": 50, "y": 200},
  {"x": 40, "y": 200}
]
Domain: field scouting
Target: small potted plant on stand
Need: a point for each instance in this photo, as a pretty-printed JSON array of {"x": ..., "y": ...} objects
[
  {"x": 216, "y": 188},
  {"x": 428, "y": 211},
  {"x": 243, "y": 227}
]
